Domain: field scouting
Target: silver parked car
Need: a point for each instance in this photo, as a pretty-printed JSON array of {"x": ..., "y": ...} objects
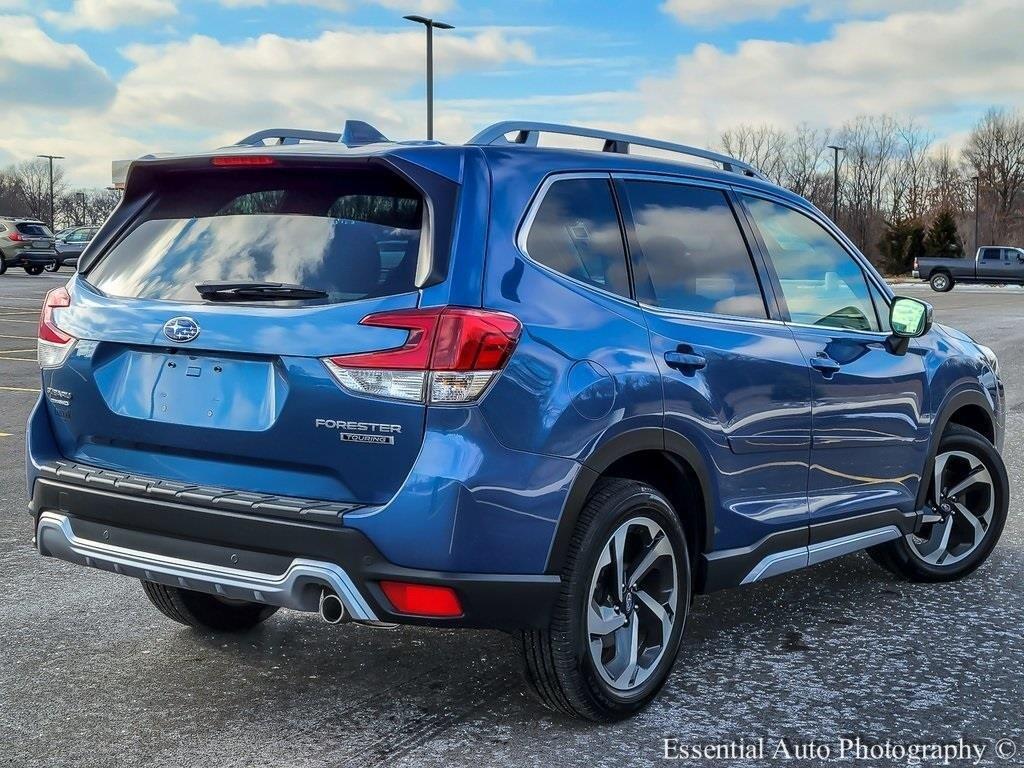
[{"x": 27, "y": 243}]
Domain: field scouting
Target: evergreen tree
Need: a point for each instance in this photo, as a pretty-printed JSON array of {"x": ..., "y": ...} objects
[
  {"x": 901, "y": 243},
  {"x": 943, "y": 239}
]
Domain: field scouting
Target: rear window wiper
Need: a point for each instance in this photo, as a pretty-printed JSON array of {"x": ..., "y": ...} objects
[{"x": 215, "y": 291}]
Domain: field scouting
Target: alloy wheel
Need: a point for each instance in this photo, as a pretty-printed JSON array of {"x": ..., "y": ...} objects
[
  {"x": 963, "y": 501},
  {"x": 631, "y": 611}
]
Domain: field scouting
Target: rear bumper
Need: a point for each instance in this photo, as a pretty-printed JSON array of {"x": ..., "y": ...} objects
[
  {"x": 275, "y": 561},
  {"x": 38, "y": 258},
  {"x": 916, "y": 274}
]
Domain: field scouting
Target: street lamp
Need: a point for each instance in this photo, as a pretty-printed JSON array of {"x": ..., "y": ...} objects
[
  {"x": 977, "y": 208},
  {"x": 835, "y": 178},
  {"x": 51, "y": 158},
  {"x": 430, "y": 24}
]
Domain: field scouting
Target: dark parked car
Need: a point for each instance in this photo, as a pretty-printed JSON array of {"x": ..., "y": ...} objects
[
  {"x": 27, "y": 243},
  {"x": 992, "y": 264},
  {"x": 498, "y": 385},
  {"x": 69, "y": 244}
]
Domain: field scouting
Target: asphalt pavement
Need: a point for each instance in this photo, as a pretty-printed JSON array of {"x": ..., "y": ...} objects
[{"x": 92, "y": 675}]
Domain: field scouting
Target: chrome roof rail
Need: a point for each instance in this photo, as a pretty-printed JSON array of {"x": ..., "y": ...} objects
[
  {"x": 356, "y": 134},
  {"x": 527, "y": 134}
]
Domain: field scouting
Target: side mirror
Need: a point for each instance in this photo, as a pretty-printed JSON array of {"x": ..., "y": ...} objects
[{"x": 909, "y": 319}]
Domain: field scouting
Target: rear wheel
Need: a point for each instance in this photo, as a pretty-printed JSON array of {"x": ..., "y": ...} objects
[
  {"x": 34, "y": 269},
  {"x": 968, "y": 497},
  {"x": 941, "y": 282},
  {"x": 3, "y": 264},
  {"x": 53, "y": 266},
  {"x": 202, "y": 611},
  {"x": 616, "y": 629}
]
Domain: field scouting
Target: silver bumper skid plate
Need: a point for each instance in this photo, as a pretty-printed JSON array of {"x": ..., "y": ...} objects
[{"x": 299, "y": 587}]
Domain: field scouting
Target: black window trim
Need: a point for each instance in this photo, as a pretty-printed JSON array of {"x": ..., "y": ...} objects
[
  {"x": 756, "y": 258},
  {"x": 868, "y": 272},
  {"x": 533, "y": 208}
]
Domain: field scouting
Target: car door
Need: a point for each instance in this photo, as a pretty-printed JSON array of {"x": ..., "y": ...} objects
[
  {"x": 870, "y": 425},
  {"x": 998, "y": 265},
  {"x": 735, "y": 382}
]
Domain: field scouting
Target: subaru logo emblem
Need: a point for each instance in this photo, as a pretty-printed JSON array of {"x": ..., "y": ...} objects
[{"x": 181, "y": 329}]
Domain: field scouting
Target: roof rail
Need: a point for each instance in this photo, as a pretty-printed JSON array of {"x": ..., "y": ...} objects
[
  {"x": 528, "y": 132},
  {"x": 356, "y": 134}
]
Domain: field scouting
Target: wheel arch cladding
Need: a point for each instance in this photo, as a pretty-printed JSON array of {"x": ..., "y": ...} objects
[
  {"x": 969, "y": 408},
  {"x": 664, "y": 460}
]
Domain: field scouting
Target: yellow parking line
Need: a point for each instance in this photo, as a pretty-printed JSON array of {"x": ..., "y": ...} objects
[
  {"x": 18, "y": 389},
  {"x": 5, "y": 434},
  {"x": 25, "y": 338},
  {"x": 19, "y": 359},
  {"x": 12, "y": 320},
  {"x": 15, "y": 351}
]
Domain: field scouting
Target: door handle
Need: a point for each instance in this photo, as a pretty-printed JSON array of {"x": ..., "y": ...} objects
[
  {"x": 685, "y": 359},
  {"x": 825, "y": 364}
]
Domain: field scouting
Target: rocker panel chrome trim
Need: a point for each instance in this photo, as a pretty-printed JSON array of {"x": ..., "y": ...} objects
[{"x": 801, "y": 557}]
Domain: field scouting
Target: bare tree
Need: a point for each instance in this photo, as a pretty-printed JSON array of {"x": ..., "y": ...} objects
[
  {"x": 995, "y": 154},
  {"x": 33, "y": 180},
  {"x": 762, "y": 146}
]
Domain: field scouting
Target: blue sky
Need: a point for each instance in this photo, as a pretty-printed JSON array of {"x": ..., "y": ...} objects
[{"x": 102, "y": 79}]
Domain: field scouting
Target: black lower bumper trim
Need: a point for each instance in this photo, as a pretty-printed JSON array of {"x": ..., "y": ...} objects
[{"x": 224, "y": 538}]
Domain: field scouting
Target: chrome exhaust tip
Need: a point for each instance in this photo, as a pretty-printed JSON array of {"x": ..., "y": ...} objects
[{"x": 332, "y": 610}]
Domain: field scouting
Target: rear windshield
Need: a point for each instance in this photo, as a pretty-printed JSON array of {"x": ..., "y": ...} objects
[
  {"x": 33, "y": 230},
  {"x": 351, "y": 234}
]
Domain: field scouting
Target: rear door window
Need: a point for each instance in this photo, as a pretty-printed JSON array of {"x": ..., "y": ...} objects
[
  {"x": 352, "y": 234},
  {"x": 576, "y": 232},
  {"x": 693, "y": 252}
]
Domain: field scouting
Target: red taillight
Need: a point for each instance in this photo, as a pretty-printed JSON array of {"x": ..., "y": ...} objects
[
  {"x": 915, "y": 262},
  {"x": 451, "y": 355},
  {"x": 48, "y": 331},
  {"x": 17, "y": 237},
  {"x": 236, "y": 161},
  {"x": 442, "y": 339},
  {"x": 422, "y": 599}
]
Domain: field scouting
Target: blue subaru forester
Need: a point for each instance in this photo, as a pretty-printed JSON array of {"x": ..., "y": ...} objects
[{"x": 552, "y": 391}]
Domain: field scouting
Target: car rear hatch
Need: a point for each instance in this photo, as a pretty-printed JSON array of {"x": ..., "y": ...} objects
[
  {"x": 33, "y": 236},
  {"x": 230, "y": 384}
]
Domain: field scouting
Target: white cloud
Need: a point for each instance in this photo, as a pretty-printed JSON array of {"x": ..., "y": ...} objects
[
  {"x": 37, "y": 71},
  {"x": 109, "y": 14},
  {"x": 201, "y": 93},
  {"x": 919, "y": 62},
  {"x": 714, "y": 13},
  {"x": 423, "y": 7}
]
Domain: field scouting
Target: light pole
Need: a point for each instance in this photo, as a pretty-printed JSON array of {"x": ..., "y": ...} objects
[
  {"x": 430, "y": 24},
  {"x": 835, "y": 178},
  {"x": 80, "y": 199},
  {"x": 51, "y": 158},
  {"x": 977, "y": 208}
]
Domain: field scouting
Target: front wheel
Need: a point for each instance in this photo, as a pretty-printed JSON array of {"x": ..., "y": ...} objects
[
  {"x": 617, "y": 627},
  {"x": 941, "y": 282},
  {"x": 203, "y": 611},
  {"x": 34, "y": 269},
  {"x": 968, "y": 497},
  {"x": 53, "y": 266}
]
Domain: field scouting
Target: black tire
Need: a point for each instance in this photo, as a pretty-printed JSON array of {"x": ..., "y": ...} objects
[
  {"x": 941, "y": 282},
  {"x": 202, "y": 611},
  {"x": 53, "y": 266},
  {"x": 901, "y": 559},
  {"x": 557, "y": 662},
  {"x": 34, "y": 269},
  {"x": 3, "y": 264}
]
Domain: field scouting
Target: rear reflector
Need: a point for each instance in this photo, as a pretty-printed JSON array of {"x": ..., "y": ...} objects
[
  {"x": 235, "y": 161},
  {"x": 52, "y": 344},
  {"x": 422, "y": 599},
  {"x": 450, "y": 355}
]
